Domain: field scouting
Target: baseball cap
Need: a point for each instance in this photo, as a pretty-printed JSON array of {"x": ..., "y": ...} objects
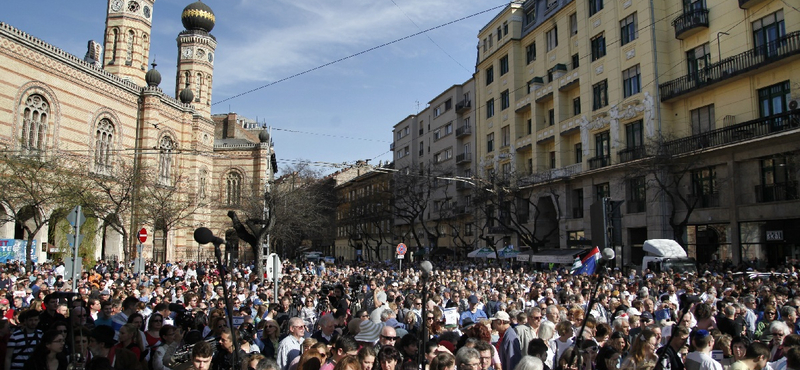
[
  {"x": 501, "y": 315},
  {"x": 473, "y": 299}
]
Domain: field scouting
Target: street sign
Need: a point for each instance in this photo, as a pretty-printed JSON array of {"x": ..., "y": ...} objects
[
  {"x": 142, "y": 235},
  {"x": 71, "y": 240},
  {"x": 76, "y": 216},
  {"x": 401, "y": 249},
  {"x": 400, "y": 256}
]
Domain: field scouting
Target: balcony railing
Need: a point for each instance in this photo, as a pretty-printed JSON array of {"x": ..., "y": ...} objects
[
  {"x": 599, "y": 162},
  {"x": 738, "y": 64},
  {"x": 736, "y": 133},
  {"x": 636, "y": 206},
  {"x": 463, "y": 106},
  {"x": 704, "y": 200},
  {"x": 776, "y": 192},
  {"x": 460, "y": 185},
  {"x": 632, "y": 154},
  {"x": 463, "y": 130},
  {"x": 463, "y": 157},
  {"x": 690, "y": 23},
  {"x": 391, "y": 146}
]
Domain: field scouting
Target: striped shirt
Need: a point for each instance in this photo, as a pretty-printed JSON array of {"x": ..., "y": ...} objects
[{"x": 22, "y": 343}]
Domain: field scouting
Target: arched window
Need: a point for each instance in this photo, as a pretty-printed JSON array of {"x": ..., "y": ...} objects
[
  {"x": 186, "y": 79},
  {"x": 198, "y": 87},
  {"x": 233, "y": 189},
  {"x": 166, "y": 146},
  {"x": 103, "y": 140},
  {"x": 35, "y": 113},
  {"x": 145, "y": 50},
  {"x": 115, "y": 38},
  {"x": 129, "y": 58},
  {"x": 201, "y": 184}
]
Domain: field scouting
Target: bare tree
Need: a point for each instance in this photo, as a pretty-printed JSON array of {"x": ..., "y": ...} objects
[
  {"x": 414, "y": 191},
  {"x": 32, "y": 187}
]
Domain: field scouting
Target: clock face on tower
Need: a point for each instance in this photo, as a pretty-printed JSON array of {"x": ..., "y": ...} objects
[
  {"x": 187, "y": 52},
  {"x": 116, "y": 5},
  {"x": 201, "y": 53},
  {"x": 210, "y": 57},
  {"x": 146, "y": 11},
  {"x": 133, "y": 6}
]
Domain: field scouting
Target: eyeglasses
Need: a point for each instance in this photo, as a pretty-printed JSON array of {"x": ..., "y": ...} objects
[
  {"x": 418, "y": 303},
  {"x": 388, "y": 338},
  {"x": 270, "y": 327},
  {"x": 429, "y": 318},
  {"x": 769, "y": 313},
  {"x": 779, "y": 334}
]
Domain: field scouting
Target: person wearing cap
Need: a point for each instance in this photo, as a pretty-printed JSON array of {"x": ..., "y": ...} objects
[
  {"x": 701, "y": 358},
  {"x": 368, "y": 333},
  {"x": 508, "y": 343},
  {"x": 473, "y": 313}
]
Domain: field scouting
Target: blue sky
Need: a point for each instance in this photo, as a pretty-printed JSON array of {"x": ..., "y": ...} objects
[{"x": 343, "y": 112}]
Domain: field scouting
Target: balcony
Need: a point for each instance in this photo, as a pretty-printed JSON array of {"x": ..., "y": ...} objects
[
  {"x": 636, "y": 206},
  {"x": 736, "y": 133},
  {"x": 599, "y": 162},
  {"x": 747, "y": 4},
  {"x": 710, "y": 200},
  {"x": 750, "y": 60},
  {"x": 461, "y": 185},
  {"x": 690, "y": 22},
  {"x": 632, "y": 154},
  {"x": 463, "y": 131},
  {"x": 464, "y": 158},
  {"x": 463, "y": 106},
  {"x": 391, "y": 147},
  {"x": 776, "y": 192}
]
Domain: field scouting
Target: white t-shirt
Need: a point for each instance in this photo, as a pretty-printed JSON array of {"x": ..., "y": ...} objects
[{"x": 701, "y": 361}]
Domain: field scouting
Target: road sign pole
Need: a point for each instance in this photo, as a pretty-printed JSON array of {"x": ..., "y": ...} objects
[{"x": 76, "y": 241}]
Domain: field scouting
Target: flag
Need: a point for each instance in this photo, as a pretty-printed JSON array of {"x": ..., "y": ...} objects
[{"x": 588, "y": 262}]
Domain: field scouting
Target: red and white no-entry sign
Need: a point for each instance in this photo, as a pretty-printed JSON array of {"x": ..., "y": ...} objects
[{"x": 142, "y": 235}]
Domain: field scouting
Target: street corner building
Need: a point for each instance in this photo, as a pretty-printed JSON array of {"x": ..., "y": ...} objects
[{"x": 107, "y": 109}]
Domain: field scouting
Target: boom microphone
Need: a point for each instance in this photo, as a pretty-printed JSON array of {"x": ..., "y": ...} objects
[
  {"x": 203, "y": 235},
  {"x": 608, "y": 254},
  {"x": 426, "y": 268}
]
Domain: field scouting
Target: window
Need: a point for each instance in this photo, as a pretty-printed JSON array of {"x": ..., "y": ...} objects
[
  {"x": 602, "y": 191},
  {"x": 579, "y": 153},
  {"x": 530, "y": 126},
  {"x": 505, "y": 28},
  {"x": 598, "y": 46},
  {"x": 115, "y": 37},
  {"x": 490, "y": 108},
  {"x": 633, "y": 135},
  {"x": 504, "y": 65},
  {"x": 704, "y": 188},
  {"x": 577, "y": 203},
  {"x": 600, "y": 95},
  {"x": 504, "y": 100},
  {"x": 437, "y": 111},
  {"x": 35, "y": 112},
  {"x": 407, "y": 130},
  {"x": 201, "y": 186},
  {"x": 103, "y": 146},
  {"x": 490, "y": 143},
  {"x": 198, "y": 86},
  {"x": 576, "y": 106},
  {"x": 702, "y": 119},
  {"x": 768, "y": 31},
  {"x": 637, "y": 195},
  {"x": 490, "y": 40},
  {"x": 551, "y": 117},
  {"x": 448, "y": 128},
  {"x": 774, "y": 99},
  {"x": 631, "y": 81},
  {"x": 697, "y": 59},
  {"x": 489, "y": 75},
  {"x": 166, "y": 146},
  {"x": 530, "y": 53},
  {"x": 485, "y": 44},
  {"x": 499, "y": 34},
  {"x": 552, "y": 38},
  {"x": 573, "y": 24},
  {"x": 552, "y": 160},
  {"x": 233, "y": 189},
  {"x": 602, "y": 145},
  {"x": 576, "y": 61},
  {"x": 595, "y": 6},
  {"x": 505, "y": 133},
  {"x": 628, "y": 31},
  {"x": 421, "y": 148},
  {"x": 129, "y": 49},
  {"x": 530, "y": 15},
  {"x": 437, "y": 134},
  {"x": 448, "y": 104},
  {"x": 777, "y": 179}
]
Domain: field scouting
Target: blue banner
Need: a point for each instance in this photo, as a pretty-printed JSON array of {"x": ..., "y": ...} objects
[{"x": 14, "y": 250}]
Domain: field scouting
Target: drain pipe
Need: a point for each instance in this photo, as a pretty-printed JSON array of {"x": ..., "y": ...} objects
[{"x": 657, "y": 104}]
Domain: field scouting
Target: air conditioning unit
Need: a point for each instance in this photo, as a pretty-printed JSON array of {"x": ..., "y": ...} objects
[{"x": 794, "y": 104}]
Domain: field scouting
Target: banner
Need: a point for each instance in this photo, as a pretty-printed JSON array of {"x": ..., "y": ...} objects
[{"x": 14, "y": 250}]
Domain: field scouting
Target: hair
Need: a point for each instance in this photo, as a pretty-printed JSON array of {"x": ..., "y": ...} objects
[
  {"x": 388, "y": 353},
  {"x": 603, "y": 355},
  {"x": 133, "y": 317},
  {"x": 135, "y": 337},
  {"x": 252, "y": 357},
  {"x": 791, "y": 340},
  {"x": 40, "y": 352},
  {"x": 129, "y": 303},
  {"x": 150, "y": 320},
  {"x": 723, "y": 343},
  {"x": 347, "y": 363},
  {"x": 637, "y": 352},
  {"x": 564, "y": 328},
  {"x": 479, "y": 331},
  {"x": 345, "y": 343},
  {"x": 793, "y": 358},
  {"x": 202, "y": 349},
  {"x": 529, "y": 363},
  {"x": 442, "y": 361},
  {"x": 306, "y": 360},
  {"x": 567, "y": 357},
  {"x": 701, "y": 341},
  {"x": 165, "y": 330},
  {"x": 367, "y": 351},
  {"x": 267, "y": 364},
  {"x": 465, "y": 354},
  {"x": 756, "y": 350},
  {"x": 779, "y": 325},
  {"x": 28, "y": 314},
  {"x": 547, "y": 330},
  {"x": 482, "y": 346},
  {"x": 99, "y": 363},
  {"x": 537, "y": 347}
]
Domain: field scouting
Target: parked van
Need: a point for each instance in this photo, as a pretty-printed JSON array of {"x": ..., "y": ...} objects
[{"x": 665, "y": 254}]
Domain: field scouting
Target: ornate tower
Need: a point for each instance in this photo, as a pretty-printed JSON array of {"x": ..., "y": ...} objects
[
  {"x": 127, "y": 38},
  {"x": 196, "y": 48}
]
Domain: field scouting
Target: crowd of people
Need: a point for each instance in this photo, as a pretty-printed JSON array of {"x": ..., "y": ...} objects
[{"x": 365, "y": 317}]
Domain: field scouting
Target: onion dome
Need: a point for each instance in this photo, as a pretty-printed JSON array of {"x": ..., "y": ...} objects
[
  {"x": 186, "y": 96},
  {"x": 263, "y": 136},
  {"x": 198, "y": 16},
  {"x": 153, "y": 77}
]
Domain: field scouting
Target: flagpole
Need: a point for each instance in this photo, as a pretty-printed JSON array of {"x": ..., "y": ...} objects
[{"x": 592, "y": 301}]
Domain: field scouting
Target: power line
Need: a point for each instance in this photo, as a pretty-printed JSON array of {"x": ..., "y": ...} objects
[
  {"x": 328, "y": 135},
  {"x": 357, "y": 54}
]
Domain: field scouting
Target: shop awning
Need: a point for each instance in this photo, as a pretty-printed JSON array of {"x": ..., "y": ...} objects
[{"x": 560, "y": 256}]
